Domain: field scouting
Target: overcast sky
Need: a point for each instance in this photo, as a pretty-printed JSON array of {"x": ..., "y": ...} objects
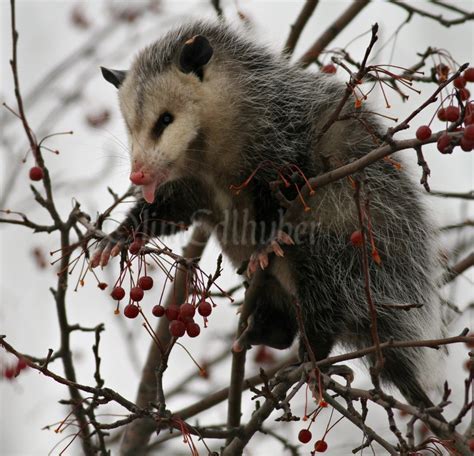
[{"x": 92, "y": 159}]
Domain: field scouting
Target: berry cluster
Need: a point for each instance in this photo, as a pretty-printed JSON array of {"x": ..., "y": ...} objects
[
  {"x": 181, "y": 318},
  {"x": 452, "y": 113},
  {"x": 13, "y": 371}
]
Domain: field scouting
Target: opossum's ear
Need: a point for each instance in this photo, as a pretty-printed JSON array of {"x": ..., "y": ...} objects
[
  {"x": 115, "y": 77},
  {"x": 196, "y": 52}
]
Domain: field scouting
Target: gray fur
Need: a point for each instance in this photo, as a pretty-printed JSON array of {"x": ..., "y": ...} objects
[{"x": 275, "y": 111}]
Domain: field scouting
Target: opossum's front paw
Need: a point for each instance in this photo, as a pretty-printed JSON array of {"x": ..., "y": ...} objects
[
  {"x": 110, "y": 246},
  {"x": 260, "y": 257}
]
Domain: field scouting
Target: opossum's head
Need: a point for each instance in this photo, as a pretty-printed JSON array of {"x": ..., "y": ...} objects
[{"x": 161, "y": 110}]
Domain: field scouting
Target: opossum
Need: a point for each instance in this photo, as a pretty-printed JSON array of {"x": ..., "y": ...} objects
[{"x": 207, "y": 109}]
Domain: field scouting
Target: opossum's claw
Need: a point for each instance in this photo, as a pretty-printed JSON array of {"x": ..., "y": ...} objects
[
  {"x": 260, "y": 257},
  {"x": 284, "y": 238},
  {"x": 109, "y": 246}
]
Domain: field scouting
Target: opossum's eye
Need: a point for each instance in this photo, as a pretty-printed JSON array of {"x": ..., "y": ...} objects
[{"x": 163, "y": 121}]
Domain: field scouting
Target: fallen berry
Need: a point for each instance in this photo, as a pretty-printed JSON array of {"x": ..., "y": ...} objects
[
  {"x": 305, "y": 436},
  {"x": 136, "y": 294},
  {"x": 423, "y": 132},
  {"x": 131, "y": 311},
  {"x": 158, "y": 311},
  {"x": 204, "y": 309},
  {"x": 145, "y": 282},
  {"x": 177, "y": 328},
  {"x": 118, "y": 293},
  {"x": 36, "y": 173},
  {"x": 193, "y": 329}
]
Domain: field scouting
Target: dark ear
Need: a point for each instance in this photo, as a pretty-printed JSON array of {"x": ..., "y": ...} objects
[
  {"x": 196, "y": 52},
  {"x": 115, "y": 77}
]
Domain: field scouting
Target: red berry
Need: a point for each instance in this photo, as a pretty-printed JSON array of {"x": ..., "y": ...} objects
[
  {"x": 464, "y": 94},
  {"x": 423, "y": 132},
  {"x": 9, "y": 373},
  {"x": 102, "y": 285},
  {"x": 158, "y": 311},
  {"x": 443, "y": 143},
  {"x": 329, "y": 69},
  {"x": 469, "y": 133},
  {"x": 172, "y": 312},
  {"x": 356, "y": 239},
  {"x": 177, "y": 328},
  {"x": 136, "y": 294},
  {"x": 263, "y": 355},
  {"x": 442, "y": 114},
  {"x": 469, "y": 119},
  {"x": 471, "y": 444},
  {"x": 452, "y": 113},
  {"x": 466, "y": 145},
  {"x": 21, "y": 364},
  {"x": 459, "y": 82},
  {"x": 193, "y": 329},
  {"x": 469, "y": 74},
  {"x": 205, "y": 309},
  {"x": 36, "y": 173},
  {"x": 187, "y": 311},
  {"x": 320, "y": 446},
  {"x": 145, "y": 282},
  {"x": 118, "y": 293},
  {"x": 470, "y": 344},
  {"x": 304, "y": 435},
  {"x": 135, "y": 247},
  {"x": 131, "y": 311}
]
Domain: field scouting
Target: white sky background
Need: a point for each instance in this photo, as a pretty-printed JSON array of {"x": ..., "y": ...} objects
[{"x": 27, "y": 312}]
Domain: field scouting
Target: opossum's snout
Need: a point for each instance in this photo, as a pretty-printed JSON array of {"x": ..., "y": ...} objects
[{"x": 149, "y": 181}]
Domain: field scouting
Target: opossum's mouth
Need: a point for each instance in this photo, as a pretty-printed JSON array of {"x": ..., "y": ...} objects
[
  {"x": 149, "y": 182},
  {"x": 149, "y": 189}
]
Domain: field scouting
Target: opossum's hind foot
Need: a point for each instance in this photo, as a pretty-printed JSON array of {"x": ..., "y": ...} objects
[
  {"x": 341, "y": 370},
  {"x": 260, "y": 257},
  {"x": 271, "y": 328},
  {"x": 271, "y": 321}
]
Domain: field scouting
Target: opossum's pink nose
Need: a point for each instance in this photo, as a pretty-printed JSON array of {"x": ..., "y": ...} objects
[{"x": 141, "y": 177}]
